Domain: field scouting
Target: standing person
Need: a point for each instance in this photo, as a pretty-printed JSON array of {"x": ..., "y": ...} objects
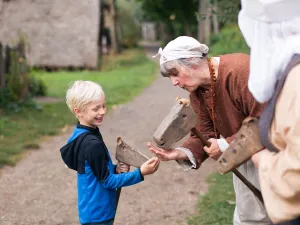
[
  {"x": 86, "y": 152},
  {"x": 273, "y": 34},
  {"x": 219, "y": 95}
]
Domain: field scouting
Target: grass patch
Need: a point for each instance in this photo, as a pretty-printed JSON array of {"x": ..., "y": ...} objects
[
  {"x": 217, "y": 206},
  {"x": 23, "y": 129}
]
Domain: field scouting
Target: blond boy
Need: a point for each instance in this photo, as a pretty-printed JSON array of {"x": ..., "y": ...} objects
[{"x": 86, "y": 152}]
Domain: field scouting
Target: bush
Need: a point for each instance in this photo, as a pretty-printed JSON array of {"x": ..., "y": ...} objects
[
  {"x": 130, "y": 28},
  {"x": 6, "y": 97},
  {"x": 37, "y": 87},
  {"x": 229, "y": 40}
]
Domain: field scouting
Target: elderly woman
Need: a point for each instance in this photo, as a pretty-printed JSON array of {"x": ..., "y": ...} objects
[
  {"x": 219, "y": 95},
  {"x": 273, "y": 33}
]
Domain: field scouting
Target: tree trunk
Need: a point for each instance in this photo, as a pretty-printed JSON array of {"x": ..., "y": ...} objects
[
  {"x": 101, "y": 28},
  {"x": 187, "y": 28},
  {"x": 215, "y": 18},
  {"x": 115, "y": 45},
  {"x": 2, "y": 70},
  {"x": 204, "y": 21}
]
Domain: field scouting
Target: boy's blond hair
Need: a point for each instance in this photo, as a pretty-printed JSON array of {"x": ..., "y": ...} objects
[{"x": 80, "y": 93}]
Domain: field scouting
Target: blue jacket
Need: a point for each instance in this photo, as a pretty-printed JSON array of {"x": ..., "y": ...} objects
[{"x": 97, "y": 180}]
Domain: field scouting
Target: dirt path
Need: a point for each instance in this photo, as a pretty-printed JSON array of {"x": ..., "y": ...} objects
[{"x": 40, "y": 190}]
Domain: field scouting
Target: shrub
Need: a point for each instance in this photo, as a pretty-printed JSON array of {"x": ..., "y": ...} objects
[
  {"x": 6, "y": 97},
  {"x": 229, "y": 40},
  {"x": 37, "y": 87}
]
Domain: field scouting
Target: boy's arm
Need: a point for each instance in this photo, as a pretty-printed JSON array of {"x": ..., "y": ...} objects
[{"x": 97, "y": 158}]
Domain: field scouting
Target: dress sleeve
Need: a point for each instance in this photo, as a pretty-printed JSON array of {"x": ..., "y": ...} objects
[{"x": 205, "y": 127}]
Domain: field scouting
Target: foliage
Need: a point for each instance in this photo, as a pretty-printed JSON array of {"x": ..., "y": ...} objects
[
  {"x": 22, "y": 129},
  {"x": 37, "y": 87},
  {"x": 229, "y": 40},
  {"x": 20, "y": 86},
  {"x": 130, "y": 26},
  {"x": 17, "y": 79},
  {"x": 179, "y": 16},
  {"x": 227, "y": 10},
  {"x": 6, "y": 97},
  {"x": 217, "y": 206}
]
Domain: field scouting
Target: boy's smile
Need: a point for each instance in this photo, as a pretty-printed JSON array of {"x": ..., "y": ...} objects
[{"x": 93, "y": 113}]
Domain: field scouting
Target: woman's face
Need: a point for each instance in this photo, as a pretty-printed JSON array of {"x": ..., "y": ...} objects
[{"x": 190, "y": 79}]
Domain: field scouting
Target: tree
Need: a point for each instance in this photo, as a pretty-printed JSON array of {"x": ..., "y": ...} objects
[
  {"x": 178, "y": 16},
  {"x": 204, "y": 21}
]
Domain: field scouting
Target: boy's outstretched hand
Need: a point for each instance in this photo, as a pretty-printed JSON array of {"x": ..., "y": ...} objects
[
  {"x": 122, "y": 167},
  {"x": 150, "y": 166}
]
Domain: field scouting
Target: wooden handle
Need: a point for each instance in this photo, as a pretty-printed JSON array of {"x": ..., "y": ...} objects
[
  {"x": 255, "y": 191},
  {"x": 204, "y": 141}
]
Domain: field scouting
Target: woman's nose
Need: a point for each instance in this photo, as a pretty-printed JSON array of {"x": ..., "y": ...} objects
[{"x": 174, "y": 81}]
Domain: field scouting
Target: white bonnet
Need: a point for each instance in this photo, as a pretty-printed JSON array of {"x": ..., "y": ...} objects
[{"x": 181, "y": 48}]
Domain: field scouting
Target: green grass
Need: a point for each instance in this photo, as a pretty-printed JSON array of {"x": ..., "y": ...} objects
[
  {"x": 123, "y": 78},
  {"x": 217, "y": 206}
]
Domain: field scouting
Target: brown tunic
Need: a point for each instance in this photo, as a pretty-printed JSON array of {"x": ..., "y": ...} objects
[{"x": 233, "y": 103}]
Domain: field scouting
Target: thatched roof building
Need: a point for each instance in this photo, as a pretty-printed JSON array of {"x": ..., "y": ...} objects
[{"x": 59, "y": 33}]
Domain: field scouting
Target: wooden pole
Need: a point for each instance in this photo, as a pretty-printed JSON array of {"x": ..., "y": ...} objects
[{"x": 255, "y": 191}]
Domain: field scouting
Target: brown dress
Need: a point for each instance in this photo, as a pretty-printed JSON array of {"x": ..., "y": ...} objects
[{"x": 233, "y": 103}]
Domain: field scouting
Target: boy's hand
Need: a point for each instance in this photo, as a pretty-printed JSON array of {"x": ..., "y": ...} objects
[
  {"x": 150, "y": 166},
  {"x": 122, "y": 167}
]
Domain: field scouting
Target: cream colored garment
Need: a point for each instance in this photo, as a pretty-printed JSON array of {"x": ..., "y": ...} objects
[
  {"x": 280, "y": 173},
  {"x": 249, "y": 210},
  {"x": 271, "y": 29}
]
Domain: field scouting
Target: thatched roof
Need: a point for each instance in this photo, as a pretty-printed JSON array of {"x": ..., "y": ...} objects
[{"x": 59, "y": 33}]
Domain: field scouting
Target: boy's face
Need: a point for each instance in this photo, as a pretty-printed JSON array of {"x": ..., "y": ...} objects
[{"x": 93, "y": 113}]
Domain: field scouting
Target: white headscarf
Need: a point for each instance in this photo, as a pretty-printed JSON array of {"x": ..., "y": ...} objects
[
  {"x": 272, "y": 30},
  {"x": 182, "y": 47}
]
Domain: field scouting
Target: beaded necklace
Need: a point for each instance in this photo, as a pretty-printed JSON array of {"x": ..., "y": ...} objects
[{"x": 213, "y": 79}]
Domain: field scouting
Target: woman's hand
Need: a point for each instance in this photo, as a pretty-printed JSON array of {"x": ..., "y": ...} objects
[
  {"x": 213, "y": 151},
  {"x": 166, "y": 155}
]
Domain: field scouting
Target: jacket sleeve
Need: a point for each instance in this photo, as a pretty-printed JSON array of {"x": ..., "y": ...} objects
[
  {"x": 205, "y": 127},
  {"x": 97, "y": 157}
]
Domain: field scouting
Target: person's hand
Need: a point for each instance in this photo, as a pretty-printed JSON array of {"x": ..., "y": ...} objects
[
  {"x": 122, "y": 167},
  {"x": 166, "y": 155},
  {"x": 150, "y": 166},
  {"x": 213, "y": 151},
  {"x": 257, "y": 156}
]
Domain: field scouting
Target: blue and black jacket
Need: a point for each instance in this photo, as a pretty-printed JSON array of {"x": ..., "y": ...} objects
[{"x": 97, "y": 180}]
